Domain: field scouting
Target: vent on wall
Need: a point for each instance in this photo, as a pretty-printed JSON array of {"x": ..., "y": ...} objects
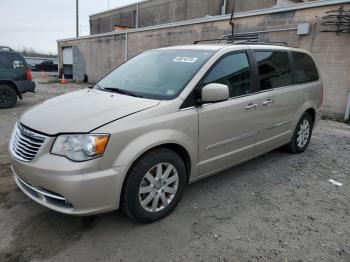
[{"x": 243, "y": 37}]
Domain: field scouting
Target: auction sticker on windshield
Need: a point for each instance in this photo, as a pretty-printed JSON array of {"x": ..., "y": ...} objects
[{"x": 184, "y": 59}]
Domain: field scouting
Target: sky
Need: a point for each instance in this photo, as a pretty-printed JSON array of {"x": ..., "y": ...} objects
[{"x": 39, "y": 23}]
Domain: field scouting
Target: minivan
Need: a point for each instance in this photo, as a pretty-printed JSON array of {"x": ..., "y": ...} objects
[{"x": 165, "y": 118}]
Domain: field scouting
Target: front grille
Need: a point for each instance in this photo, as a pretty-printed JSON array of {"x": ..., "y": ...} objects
[{"x": 25, "y": 143}]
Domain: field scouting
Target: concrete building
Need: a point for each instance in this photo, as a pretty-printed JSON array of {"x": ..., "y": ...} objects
[
  {"x": 156, "y": 12},
  {"x": 298, "y": 24}
]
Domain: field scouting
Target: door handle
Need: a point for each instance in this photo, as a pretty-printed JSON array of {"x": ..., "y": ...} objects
[
  {"x": 251, "y": 106},
  {"x": 268, "y": 102}
]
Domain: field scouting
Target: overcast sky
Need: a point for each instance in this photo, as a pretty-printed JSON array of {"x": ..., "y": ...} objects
[{"x": 39, "y": 23}]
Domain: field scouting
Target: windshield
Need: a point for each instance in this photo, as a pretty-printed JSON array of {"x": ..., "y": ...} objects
[{"x": 158, "y": 74}]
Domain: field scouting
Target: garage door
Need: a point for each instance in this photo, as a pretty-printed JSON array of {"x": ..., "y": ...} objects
[{"x": 68, "y": 56}]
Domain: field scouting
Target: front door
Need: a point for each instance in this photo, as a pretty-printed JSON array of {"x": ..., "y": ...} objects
[{"x": 227, "y": 130}]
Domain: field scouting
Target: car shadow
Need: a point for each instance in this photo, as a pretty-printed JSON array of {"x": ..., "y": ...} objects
[{"x": 46, "y": 233}]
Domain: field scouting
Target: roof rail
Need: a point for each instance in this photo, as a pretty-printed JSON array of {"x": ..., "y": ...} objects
[
  {"x": 5, "y": 48},
  {"x": 241, "y": 40},
  {"x": 218, "y": 40},
  {"x": 248, "y": 42}
]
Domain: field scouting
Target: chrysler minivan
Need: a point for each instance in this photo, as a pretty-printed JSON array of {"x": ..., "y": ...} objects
[{"x": 164, "y": 119}]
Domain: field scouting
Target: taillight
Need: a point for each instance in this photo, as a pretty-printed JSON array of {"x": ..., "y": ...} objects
[
  {"x": 29, "y": 76},
  {"x": 321, "y": 94}
]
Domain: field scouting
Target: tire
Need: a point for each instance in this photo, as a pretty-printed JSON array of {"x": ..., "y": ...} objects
[
  {"x": 143, "y": 185},
  {"x": 302, "y": 135},
  {"x": 8, "y": 96}
]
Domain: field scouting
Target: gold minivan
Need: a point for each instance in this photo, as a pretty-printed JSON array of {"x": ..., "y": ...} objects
[{"x": 163, "y": 119}]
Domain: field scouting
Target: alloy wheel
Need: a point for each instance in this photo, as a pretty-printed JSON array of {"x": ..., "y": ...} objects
[
  {"x": 158, "y": 187},
  {"x": 303, "y": 133}
]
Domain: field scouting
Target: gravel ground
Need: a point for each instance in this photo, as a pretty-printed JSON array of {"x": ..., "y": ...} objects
[{"x": 278, "y": 207}]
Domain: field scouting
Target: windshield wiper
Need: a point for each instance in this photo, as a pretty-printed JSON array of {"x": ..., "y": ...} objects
[{"x": 120, "y": 91}]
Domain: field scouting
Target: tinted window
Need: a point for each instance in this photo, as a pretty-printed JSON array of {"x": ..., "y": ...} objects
[
  {"x": 305, "y": 69},
  {"x": 11, "y": 61},
  {"x": 1, "y": 64},
  {"x": 158, "y": 74},
  {"x": 274, "y": 69},
  {"x": 233, "y": 71}
]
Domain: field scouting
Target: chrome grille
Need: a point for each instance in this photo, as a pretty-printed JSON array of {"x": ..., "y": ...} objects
[{"x": 25, "y": 143}]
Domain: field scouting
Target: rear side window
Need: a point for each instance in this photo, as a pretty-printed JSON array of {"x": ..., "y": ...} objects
[
  {"x": 274, "y": 69},
  {"x": 11, "y": 61},
  {"x": 305, "y": 68},
  {"x": 233, "y": 71}
]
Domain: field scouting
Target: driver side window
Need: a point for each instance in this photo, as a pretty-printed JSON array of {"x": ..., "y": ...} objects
[{"x": 233, "y": 71}]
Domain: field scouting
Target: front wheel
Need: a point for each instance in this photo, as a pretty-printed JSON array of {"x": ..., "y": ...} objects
[
  {"x": 302, "y": 135},
  {"x": 154, "y": 186}
]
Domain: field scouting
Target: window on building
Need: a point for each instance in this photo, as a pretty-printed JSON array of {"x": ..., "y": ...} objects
[
  {"x": 274, "y": 69},
  {"x": 233, "y": 71},
  {"x": 305, "y": 68}
]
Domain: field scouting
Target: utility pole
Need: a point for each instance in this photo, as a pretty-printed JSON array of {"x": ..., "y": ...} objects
[{"x": 77, "y": 17}]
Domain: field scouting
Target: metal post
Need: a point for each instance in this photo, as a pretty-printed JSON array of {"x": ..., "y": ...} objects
[
  {"x": 232, "y": 23},
  {"x": 77, "y": 17},
  {"x": 137, "y": 16},
  {"x": 126, "y": 47},
  {"x": 347, "y": 111}
]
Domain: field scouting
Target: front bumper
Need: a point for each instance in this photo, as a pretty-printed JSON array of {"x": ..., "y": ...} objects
[{"x": 58, "y": 183}]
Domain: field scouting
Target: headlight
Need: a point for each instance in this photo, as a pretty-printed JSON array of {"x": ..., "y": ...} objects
[{"x": 80, "y": 147}]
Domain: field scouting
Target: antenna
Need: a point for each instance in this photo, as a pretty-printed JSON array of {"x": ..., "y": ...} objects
[{"x": 232, "y": 23}]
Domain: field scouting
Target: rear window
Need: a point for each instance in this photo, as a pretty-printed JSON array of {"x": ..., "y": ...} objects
[
  {"x": 274, "y": 69},
  {"x": 305, "y": 68},
  {"x": 11, "y": 61}
]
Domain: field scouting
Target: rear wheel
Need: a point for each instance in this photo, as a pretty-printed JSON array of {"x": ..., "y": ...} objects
[
  {"x": 154, "y": 186},
  {"x": 8, "y": 96},
  {"x": 302, "y": 135}
]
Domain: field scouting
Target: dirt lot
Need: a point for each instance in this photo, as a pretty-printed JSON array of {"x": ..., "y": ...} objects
[{"x": 278, "y": 207}]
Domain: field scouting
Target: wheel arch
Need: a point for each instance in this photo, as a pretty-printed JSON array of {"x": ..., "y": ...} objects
[
  {"x": 312, "y": 112},
  {"x": 308, "y": 107},
  {"x": 13, "y": 85},
  {"x": 177, "y": 148}
]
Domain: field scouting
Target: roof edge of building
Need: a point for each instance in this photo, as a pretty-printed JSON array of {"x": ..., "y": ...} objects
[
  {"x": 271, "y": 10},
  {"x": 118, "y": 8}
]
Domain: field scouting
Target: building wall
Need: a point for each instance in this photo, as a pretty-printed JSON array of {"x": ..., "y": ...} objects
[
  {"x": 248, "y": 5},
  {"x": 105, "y": 22},
  {"x": 331, "y": 50},
  {"x": 156, "y": 12},
  {"x": 79, "y": 64}
]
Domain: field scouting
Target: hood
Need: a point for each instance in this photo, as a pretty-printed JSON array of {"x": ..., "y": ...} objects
[{"x": 82, "y": 111}]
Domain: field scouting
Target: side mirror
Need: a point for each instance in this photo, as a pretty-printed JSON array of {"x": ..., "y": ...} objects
[{"x": 214, "y": 93}]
